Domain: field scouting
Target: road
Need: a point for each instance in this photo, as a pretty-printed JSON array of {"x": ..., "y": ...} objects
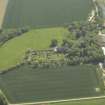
[
  {"x": 3, "y": 6},
  {"x": 58, "y": 101}
]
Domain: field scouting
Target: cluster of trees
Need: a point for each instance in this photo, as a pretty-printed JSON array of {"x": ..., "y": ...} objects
[
  {"x": 84, "y": 47},
  {"x": 6, "y": 35},
  {"x": 42, "y": 58},
  {"x": 81, "y": 44},
  {"x": 54, "y": 43},
  {"x": 88, "y": 54}
]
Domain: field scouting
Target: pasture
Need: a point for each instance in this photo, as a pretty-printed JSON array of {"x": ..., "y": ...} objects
[
  {"x": 44, "y": 13},
  {"x": 26, "y": 84}
]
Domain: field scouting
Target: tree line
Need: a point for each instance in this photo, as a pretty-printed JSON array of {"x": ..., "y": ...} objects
[{"x": 6, "y": 35}]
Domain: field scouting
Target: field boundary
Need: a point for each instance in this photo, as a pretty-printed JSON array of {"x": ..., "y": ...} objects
[{"x": 59, "y": 101}]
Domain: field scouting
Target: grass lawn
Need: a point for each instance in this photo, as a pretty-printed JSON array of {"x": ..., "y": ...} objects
[
  {"x": 27, "y": 84},
  {"x": 13, "y": 51}
]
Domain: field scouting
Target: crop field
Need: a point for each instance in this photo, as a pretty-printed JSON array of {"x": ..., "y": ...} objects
[
  {"x": 39, "y": 13},
  {"x": 26, "y": 84}
]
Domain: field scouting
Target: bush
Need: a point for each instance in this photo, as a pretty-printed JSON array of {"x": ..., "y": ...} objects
[
  {"x": 24, "y": 29},
  {"x": 54, "y": 43}
]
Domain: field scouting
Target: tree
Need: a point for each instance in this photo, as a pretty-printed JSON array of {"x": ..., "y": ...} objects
[
  {"x": 66, "y": 43},
  {"x": 24, "y": 29},
  {"x": 54, "y": 43}
]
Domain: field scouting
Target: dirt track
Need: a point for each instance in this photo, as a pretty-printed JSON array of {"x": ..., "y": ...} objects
[{"x": 3, "y": 5}]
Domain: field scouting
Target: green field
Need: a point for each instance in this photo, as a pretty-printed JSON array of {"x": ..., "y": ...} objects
[
  {"x": 13, "y": 51},
  {"x": 39, "y": 13},
  {"x": 26, "y": 84}
]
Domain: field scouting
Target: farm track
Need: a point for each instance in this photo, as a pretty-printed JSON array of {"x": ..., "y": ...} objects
[
  {"x": 58, "y": 101},
  {"x": 3, "y": 6}
]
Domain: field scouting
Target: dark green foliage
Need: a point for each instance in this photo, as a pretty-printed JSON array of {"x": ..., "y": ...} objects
[
  {"x": 12, "y": 33},
  {"x": 24, "y": 29},
  {"x": 81, "y": 44},
  {"x": 54, "y": 43},
  {"x": 66, "y": 43},
  {"x": 85, "y": 47}
]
